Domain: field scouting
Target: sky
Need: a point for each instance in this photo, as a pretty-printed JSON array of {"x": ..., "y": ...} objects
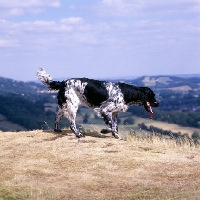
[{"x": 99, "y": 38}]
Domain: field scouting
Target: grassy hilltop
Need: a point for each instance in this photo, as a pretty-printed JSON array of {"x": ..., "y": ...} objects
[{"x": 44, "y": 165}]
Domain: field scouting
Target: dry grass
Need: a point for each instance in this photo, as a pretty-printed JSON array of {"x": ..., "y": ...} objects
[
  {"x": 43, "y": 165},
  {"x": 138, "y": 120}
]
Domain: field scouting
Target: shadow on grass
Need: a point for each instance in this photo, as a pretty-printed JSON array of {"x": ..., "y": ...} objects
[{"x": 68, "y": 132}]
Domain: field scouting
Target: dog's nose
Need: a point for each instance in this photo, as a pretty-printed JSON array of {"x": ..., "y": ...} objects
[{"x": 156, "y": 104}]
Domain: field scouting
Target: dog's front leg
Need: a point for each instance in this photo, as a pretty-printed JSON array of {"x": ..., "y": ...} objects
[
  {"x": 111, "y": 122},
  {"x": 109, "y": 128},
  {"x": 115, "y": 121},
  {"x": 75, "y": 130}
]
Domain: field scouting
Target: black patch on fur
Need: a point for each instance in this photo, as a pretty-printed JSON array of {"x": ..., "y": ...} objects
[
  {"x": 57, "y": 85},
  {"x": 61, "y": 97},
  {"x": 95, "y": 91},
  {"x": 131, "y": 93}
]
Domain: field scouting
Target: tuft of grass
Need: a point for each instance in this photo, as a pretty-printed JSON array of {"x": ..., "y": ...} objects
[
  {"x": 183, "y": 141},
  {"x": 11, "y": 192}
]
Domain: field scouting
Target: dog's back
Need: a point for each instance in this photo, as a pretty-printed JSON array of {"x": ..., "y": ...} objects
[{"x": 95, "y": 92}]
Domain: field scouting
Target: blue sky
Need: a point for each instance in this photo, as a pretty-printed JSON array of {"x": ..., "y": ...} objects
[{"x": 99, "y": 38}]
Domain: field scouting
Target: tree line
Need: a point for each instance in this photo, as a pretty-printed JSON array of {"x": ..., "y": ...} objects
[
  {"x": 191, "y": 119},
  {"x": 28, "y": 114},
  {"x": 32, "y": 115},
  {"x": 173, "y": 135}
]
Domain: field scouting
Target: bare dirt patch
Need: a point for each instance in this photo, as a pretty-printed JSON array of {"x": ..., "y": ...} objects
[{"x": 45, "y": 165}]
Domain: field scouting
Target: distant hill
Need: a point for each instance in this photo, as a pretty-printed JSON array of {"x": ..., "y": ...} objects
[
  {"x": 23, "y": 103},
  {"x": 20, "y": 89},
  {"x": 164, "y": 82}
]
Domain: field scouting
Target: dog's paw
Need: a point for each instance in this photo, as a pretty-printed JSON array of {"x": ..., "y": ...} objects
[
  {"x": 57, "y": 130},
  {"x": 80, "y": 135},
  {"x": 116, "y": 135}
]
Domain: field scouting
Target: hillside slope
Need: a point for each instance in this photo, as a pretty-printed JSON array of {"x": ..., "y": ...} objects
[
  {"x": 6, "y": 125},
  {"x": 44, "y": 165}
]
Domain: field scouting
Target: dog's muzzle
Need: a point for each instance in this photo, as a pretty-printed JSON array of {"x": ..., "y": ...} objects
[{"x": 149, "y": 108}]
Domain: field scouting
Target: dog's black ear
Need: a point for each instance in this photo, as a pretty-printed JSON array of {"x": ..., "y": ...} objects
[{"x": 144, "y": 98}]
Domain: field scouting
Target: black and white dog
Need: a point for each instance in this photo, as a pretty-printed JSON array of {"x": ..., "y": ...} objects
[{"x": 107, "y": 99}]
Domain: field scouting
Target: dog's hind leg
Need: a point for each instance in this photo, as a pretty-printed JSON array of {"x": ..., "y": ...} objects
[
  {"x": 75, "y": 130},
  {"x": 70, "y": 113},
  {"x": 57, "y": 120}
]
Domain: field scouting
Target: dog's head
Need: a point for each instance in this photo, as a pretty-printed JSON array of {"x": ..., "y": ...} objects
[{"x": 148, "y": 100}]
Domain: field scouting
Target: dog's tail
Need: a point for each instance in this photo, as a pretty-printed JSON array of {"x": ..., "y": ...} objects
[
  {"x": 48, "y": 81},
  {"x": 44, "y": 77}
]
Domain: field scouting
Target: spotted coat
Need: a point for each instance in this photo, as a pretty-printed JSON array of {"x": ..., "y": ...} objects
[{"x": 106, "y": 98}]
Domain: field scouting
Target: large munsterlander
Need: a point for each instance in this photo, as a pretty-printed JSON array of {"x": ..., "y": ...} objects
[{"x": 107, "y": 99}]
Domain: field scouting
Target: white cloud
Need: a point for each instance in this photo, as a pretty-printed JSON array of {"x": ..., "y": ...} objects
[
  {"x": 138, "y": 33},
  {"x": 30, "y": 3},
  {"x": 142, "y": 21},
  {"x": 145, "y": 7},
  {"x": 31, "y": 35},
  {"x": 8, "y": 43},
  {"x": 12, "y": 12},
  {"x": 117, "y": 8},
  {"x": 172, "y": 6},
  {"x": 12, "y": 8},
  {"x": 72, "y": 20}
]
